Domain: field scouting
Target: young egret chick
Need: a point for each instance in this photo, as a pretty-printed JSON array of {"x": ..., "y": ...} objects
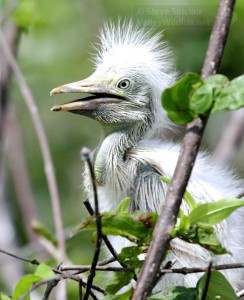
[{"x": 133, "y": 67}]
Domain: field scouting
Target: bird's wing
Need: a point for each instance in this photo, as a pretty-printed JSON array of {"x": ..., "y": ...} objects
[
  {"x": 149, "y": 193},
  {"x": 149, "y": 190},
  {"x": 208, "y": 182}
]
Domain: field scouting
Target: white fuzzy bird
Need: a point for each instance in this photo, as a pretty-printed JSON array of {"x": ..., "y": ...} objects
[{"x": 133, "y": 67}]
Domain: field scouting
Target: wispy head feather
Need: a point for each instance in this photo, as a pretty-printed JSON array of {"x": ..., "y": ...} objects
[{"x": 127, "y": 45}]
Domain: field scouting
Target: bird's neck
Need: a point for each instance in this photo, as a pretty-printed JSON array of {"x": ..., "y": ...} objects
[{"x": 110, "y": 156}]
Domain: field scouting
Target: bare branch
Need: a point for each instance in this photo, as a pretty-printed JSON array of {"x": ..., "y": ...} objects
[
  {"x": 86, "y": 155},
  {"x": 49, "y": 170},
  {"x": 205, "y": 290},
  {"x": 98, "y": 268},
  {"x": 189, "y": 149},
  {"x": 33, "y": 262},
  {"x": 165, "y": 270},
  {"x": 50, "y": 286},
  {"x": 18, "y": 168},
  {"x": 105, "y": 239}
]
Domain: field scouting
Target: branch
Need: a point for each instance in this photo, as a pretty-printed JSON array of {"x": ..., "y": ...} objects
[
  {"x": 49, "y": 170},
  {"x": 50, "y": 286},
  {"x": 189, "y": 149},
  {"x": 60, "y": 275},
  {"x": 86, "y": 155},
  {"x": 82, "y": 268},
  {"x": 33, "y": 262},
  {"x": 208, "y": 273},
  {"x": 165, "y": 270},
  {"x": 105, "y": 238},
  {"x": 19, "y": 172},
  {"x": 107, "y": 243}
]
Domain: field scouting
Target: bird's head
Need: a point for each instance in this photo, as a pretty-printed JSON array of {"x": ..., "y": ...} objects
[{"x": 132, "y": 68}]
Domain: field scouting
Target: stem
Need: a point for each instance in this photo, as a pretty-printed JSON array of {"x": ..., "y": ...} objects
[
  {"x": 86, "y": 155},
  {"x": 189, "y": 149},
  {"x": 49, "y": 169}
]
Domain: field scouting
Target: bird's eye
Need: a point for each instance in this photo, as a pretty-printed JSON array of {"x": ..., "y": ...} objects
[{"x": 124, "y": 84}]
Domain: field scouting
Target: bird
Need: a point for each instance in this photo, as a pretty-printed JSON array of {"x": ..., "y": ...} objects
[{"x": 133, "y": 66}]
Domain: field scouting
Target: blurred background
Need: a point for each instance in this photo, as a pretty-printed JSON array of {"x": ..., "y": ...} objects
[{"x": 53, "y": 48}]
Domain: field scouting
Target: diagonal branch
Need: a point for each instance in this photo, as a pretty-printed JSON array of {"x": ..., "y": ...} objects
[
  {"x": 49, "y": 170},
  {"x": 189, "y": 149}
]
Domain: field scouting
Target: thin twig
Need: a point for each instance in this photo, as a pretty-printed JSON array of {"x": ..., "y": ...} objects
[
  {"x": 165, "y": 270},
  {"x": 80, "y": 291},
  {"x": 59, "y": 271},
  {"x": 186, "y": 271},
  {"x": 50, "y": 286},
  {"x": 190, "y": 146},
  {"x": 19, "y": 172},
  {"x": 82, "y": 268},
  {"x": 33, "y": 262},
  {"x": 167, "y": 266},
  {"x": 86, "y": 155},
  {"x": 105, "y": 238},
  {"x": 106, "y": 261},
  {"x": 59, "y": 277},
  {"x": 49, "y": 169},
  {"x": 208, "y": 273}
]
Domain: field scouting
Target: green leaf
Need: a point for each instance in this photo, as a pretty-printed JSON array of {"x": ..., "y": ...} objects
[
  {"x": 187, "y": 196},
  {"x": 201, "y": 234},
  {"x": 215, "y": 212},
  {"x": 44, "y": 271},
  {"x": 207, "y": 238},
  {"x": 183, "y": 226},
  {"x": 202, "y": 100},
  {"x": 231, "y": 97},
  {"x": 124, "y": 205},
  {"x": 129, "y": 256},
  {"x": 219, "y": 287},
  {"x": 175, "y": 99},
  {"x": 41, "y": 230},
  {"x": 24, "y": 285},
  {"x": 177, "y": 293},
  {"x": 217, "y": 80},
  {"x": 117, "y": 281},
  {"x": 27, "y": 14},
  {"x": 137, "y": 228},
  {"x": 124, "y": 296},
  {"x": 190, "y": 200},
  {"x": 4, "y": 297}
]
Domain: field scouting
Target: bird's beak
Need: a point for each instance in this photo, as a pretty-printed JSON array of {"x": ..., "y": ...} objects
[{"x": 100, "y": 94}]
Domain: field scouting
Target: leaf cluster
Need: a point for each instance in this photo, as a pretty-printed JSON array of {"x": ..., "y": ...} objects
[{"x": 191, "y": 96}]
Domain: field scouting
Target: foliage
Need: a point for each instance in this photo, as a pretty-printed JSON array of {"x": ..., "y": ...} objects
[
  {"x": 218, "y": 288},
  {"x": 196, "y": 227},
  {"x": 191, "y": 96},
  {"x": 25, "y": 283},
  {"x": 27, "y": 14}
]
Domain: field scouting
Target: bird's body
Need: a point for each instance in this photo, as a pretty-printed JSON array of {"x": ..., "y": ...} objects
[{"x": 132, "y": 70}]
